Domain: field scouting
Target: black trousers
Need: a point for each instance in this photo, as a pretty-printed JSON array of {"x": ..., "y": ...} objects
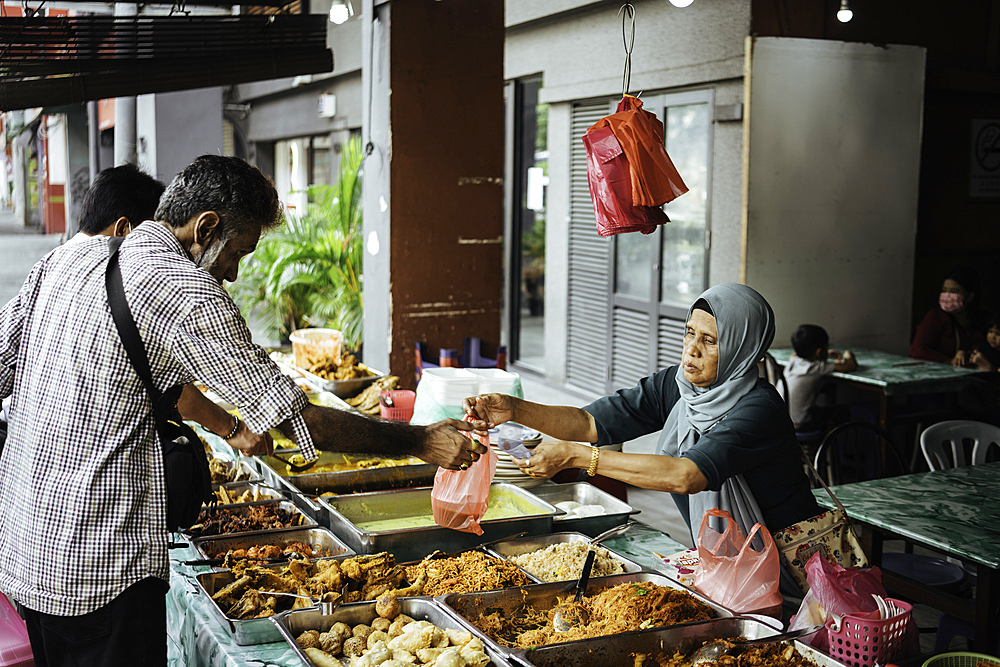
[{"x": 131, "y": 631}]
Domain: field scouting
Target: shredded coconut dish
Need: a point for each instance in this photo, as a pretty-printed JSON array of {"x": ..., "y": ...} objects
[{"x": 562, "y": 562}]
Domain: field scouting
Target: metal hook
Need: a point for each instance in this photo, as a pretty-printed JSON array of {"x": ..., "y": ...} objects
[{"x": 627, "y": 12}]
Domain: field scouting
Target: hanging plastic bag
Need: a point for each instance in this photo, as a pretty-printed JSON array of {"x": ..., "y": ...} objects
[
  {"x": 610, "y": 184},
  {"x": 654, "y": 178},
  {"x": 734, "y": 574},
  {"x": 460, "y": 498},
  {"x": 834, "y": 591}
]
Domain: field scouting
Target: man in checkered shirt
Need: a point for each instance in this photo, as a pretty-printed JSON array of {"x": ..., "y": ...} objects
[{"x": 83, "y": 539}]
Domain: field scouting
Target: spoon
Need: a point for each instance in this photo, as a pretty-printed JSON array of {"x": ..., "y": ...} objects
[
  {"x": 611, "y": 532},
  {"x": 711, "y": 652},
  {"x": 327, "y": 603},
  {"x": 563, "y": 622},
  {"x": 294, "y": 466}
]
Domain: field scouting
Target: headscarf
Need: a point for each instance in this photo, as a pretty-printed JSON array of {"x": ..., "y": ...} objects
[{"x": 745, "y": 329}]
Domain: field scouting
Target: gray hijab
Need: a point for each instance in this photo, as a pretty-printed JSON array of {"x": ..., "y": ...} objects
[{"x": 745, "y": 326}]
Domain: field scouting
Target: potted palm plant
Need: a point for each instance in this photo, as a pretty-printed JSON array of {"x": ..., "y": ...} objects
[{"x": 308, "y": 273}]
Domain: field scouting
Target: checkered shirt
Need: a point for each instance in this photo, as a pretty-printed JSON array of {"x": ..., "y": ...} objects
[{"x": 83, "y": 502}]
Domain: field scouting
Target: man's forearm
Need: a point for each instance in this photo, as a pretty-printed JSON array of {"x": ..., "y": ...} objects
[
  {"x": 195, "y": 406},
  {"x": 341, "y": 431}
]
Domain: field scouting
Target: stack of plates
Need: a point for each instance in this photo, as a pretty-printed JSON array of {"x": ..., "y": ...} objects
[{"x": 507, "y": 470}]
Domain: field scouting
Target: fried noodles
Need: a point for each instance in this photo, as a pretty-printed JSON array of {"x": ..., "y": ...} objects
[{"x": 468, "y": 572}]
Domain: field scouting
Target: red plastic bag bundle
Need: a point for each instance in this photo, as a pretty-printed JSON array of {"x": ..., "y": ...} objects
[
  {"x": 460, "y": 497},
  {"x": 628, "y": 170},
  {"x": 734, "y": 574}
]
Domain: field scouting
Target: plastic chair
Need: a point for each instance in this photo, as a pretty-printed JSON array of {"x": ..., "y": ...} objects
[
  {"x": 775, "y": 376},
  {"x": 856, "y": 452},
  {"x": 420, "y": 360},
  {"x": 471, "y": 356},
  {"x": 937, "y": 440}
]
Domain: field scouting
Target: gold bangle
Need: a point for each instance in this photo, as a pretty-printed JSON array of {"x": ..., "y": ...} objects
[
  {"x": 236, "y": 426},
  {"x": 595, "y": 455}
]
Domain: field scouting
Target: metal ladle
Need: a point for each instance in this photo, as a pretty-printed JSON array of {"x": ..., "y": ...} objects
[
  {"x": 611, "y": 532},
  {"x": 562, "y": 621},
  {"x": 712, "y": 651},
  {"x": 326, "y": 603}
]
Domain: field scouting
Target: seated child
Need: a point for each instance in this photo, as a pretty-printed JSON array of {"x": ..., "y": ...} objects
[
  {"x": 987, "y": 358},
  {"x": 805, "y": 374}
]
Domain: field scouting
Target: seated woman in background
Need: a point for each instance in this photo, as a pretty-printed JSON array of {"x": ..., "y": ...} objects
[
  {"x": 952, "y": 329},
  {"x": 727, "y": 441},
  {"x": 987, "y": 357}
]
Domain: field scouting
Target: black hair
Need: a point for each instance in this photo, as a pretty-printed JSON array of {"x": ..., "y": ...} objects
[
  {"x": 993, "y": 322},
  {"x": 808, "y": 338},
  {"x": 123, "y": 191},
  {"x": 238, "y": 192},
  {"x": 966, "y": 277}
]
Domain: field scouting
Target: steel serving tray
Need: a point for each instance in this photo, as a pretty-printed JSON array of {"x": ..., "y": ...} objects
[
  {"x": 349, "y": 481},
  {"x": 620, "y": 650},
  {"x": 236, "y": 489},
  {"x": 543, "y": 597},
  {"x": 510, "y": 548},
  {"x": 307, "y": 504},
  {"x": 287, "y": 505},
  {"x": 245, "y": 472},
  {"x": 616, "y": 512},
  {"x": 415, "y": 543},
  {"x": 341, "y": 388},
  {"x": 293, "y": 623},
  {"x": 317, "y": 538}
]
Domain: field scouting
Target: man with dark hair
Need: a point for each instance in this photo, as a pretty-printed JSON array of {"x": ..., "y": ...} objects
[
  {"x": 119, "y": 199},
  {"x": 805, "y": 374},
  {"x": 83, "y": 459}
]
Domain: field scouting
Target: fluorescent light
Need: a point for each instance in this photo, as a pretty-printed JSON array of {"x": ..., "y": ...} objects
[{"x": 681, "y": 3}]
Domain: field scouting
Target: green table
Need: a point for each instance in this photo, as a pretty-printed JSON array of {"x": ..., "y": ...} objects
[
  {"x": 954, "y": 511},
  {"x": 892, "y": 375}
]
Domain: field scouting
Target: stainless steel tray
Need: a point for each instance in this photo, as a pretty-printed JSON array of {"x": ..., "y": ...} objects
[
  {"x": 616, "y": 512},
  {"x": 304, "y": 502},
  {"x": 620, "y": 650},
  {"x": 317, "y": 538},
  {"x": 544, "y": 597},
  {"x": 415, "y": 543},
  {"x": 340, "y": 388},
  {"x": 510, "y": 548},
  {"x": 246, "y": 472},
  {"x": 293, "y": 623},
  {"x": 305, "y": 521},
  {"x": 351, "y": 481},
  {"x": 236, "y": 489}
]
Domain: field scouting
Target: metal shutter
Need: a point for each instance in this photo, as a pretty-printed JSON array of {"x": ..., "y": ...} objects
[
  {"x": 670, "y": 342},
  {"x": 630, "y": 347},
  {"x": 588, "y": 329}
]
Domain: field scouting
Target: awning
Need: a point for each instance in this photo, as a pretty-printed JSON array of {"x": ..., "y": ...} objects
[{"x": 70, "y": 60}]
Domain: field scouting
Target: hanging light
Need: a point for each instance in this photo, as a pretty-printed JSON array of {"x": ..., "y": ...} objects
[
  {"x": 340, "y": 11},
  {"x": 845, "y": 14},
  {"x": 681, "y": 3}
]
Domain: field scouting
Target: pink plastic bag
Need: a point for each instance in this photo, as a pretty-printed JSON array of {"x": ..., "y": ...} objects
[
  {"x": 835, "y": 590},
  {"x": 609, "y": 178},
  {"x": 734, "y": 574},
  {"x": 460, "y": 497}
]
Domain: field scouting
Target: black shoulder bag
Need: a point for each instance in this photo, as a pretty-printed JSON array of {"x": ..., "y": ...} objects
[{"x": 185, "y": 466}]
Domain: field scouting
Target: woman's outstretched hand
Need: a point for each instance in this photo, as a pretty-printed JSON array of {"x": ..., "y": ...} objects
[
  {"x": 488, "y": 410},
  {"x": 547, "y": 459}
]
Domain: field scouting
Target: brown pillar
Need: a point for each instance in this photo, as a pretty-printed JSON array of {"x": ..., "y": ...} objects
[{"x": 446, "y": 164}]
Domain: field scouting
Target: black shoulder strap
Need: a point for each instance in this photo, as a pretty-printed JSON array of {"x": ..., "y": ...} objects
[{"x": 124, "y": 321}]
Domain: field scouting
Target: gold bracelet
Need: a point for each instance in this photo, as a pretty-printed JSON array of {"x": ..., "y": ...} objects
[
  {"x": 236, "y": 426},
  {"x": 595, "y": 455}
]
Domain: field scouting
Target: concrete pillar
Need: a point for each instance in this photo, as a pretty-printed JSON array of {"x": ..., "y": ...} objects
[
  {"x": 434, "y": 182},
  {"x": 78, "y": 165},
  {"x": 20, "y": 173},
  {"x": 93, "y": 141},
  {"x": 125, "y": 133}
]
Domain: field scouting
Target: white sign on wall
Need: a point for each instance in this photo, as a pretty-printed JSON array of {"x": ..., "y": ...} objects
[{"x": 984, "y": 177}]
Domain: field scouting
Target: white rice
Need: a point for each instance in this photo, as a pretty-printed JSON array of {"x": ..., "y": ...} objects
[{"x": 563, "y": 562}]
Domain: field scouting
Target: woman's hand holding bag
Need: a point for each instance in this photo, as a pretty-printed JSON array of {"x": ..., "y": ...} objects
[
  {"x": 731, "y": 572},
  {"x": 460, "y": 497}
]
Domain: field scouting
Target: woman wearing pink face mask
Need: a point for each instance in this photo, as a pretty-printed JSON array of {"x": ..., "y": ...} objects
[{"x": 953, "y": 328}]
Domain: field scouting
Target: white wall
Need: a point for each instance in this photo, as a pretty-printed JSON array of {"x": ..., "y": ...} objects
[
  {"x": 189, "y": 124},
  {"x": 834, "y": 163}
]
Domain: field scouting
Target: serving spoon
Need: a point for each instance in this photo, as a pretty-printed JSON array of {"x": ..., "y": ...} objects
[
  {"x": 712, "y": 651},
  {"x": 294, "y": 466},
  {"x": 563, "y": 622}
]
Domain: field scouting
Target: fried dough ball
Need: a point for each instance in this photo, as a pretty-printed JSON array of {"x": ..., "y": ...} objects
[
  {"x": 308, "y": 639},
  {"x": 376, "y": 636},
  {"x": 331, "y": 642},
  {"x": 396, "y": 628},
  {"x": 387, "y": 606},
  {"x": 381, "y": 624},
  {"x": 361, "y": 630},
  {"x": 354, "y": 647}
]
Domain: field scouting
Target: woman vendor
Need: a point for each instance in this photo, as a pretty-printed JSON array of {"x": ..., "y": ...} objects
[{"x": 727, "y": 440}]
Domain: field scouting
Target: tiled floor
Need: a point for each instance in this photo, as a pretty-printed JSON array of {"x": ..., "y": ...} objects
[{"x": 664, "y": 516}]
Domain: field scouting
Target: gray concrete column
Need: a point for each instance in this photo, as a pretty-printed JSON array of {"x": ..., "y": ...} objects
[
  {"x": 125, "y": 132},
  {"x": 93, "y": 140}
]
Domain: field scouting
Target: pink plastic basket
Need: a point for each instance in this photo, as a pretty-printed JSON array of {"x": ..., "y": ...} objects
[
  {"x": 862, "y": 641},
  {"x": 403, "y": 399}
]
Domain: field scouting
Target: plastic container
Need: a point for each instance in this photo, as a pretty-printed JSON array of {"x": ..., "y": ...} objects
[
  {"x": 403, "y": 400},
  {"x": 15, "y": 648},
  {"x": 448, "y": 386},
  {"x": 494, "y": 380},
  {"x": 312, "y": 346},
  {"x": 961, "y": 659},
  {"x": 861, "y": 641}
]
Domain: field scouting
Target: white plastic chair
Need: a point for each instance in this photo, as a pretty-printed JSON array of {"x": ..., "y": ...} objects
[{"x": 938, "y": 439}]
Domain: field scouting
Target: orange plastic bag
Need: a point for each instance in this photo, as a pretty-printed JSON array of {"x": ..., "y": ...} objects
[
  {"x": 611, "y": 188},
  {"x": 460, "y": 498},
  {"x": 734, "y": 574},
  {"x": 655, "y": 180}
]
